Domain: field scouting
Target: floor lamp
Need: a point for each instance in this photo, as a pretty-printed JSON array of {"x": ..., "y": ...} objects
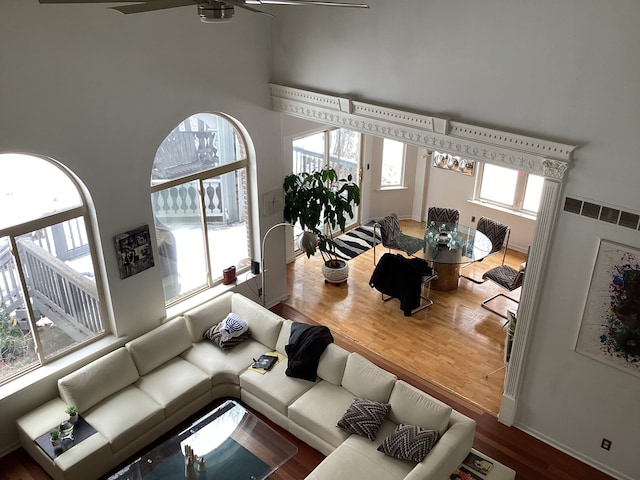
[{"x": 264, "y": 270}]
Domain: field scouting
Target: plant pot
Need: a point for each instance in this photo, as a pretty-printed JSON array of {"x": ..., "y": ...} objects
[
  {"x": 333, "y": 274},
  {"x": 55, "y": 443},
  {"x": 73, "y": 418}
]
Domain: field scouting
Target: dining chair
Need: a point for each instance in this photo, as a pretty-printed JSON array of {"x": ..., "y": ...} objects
[
  {"x": 508, "y": 278},
  {"x": 392, "y": 237},
  {"x": 443, "y": 215},
  {"x": 499, "y": 234},
  {"x": 397, "y": 276}
]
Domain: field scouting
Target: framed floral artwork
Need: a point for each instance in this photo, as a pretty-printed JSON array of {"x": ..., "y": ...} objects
[{"x": 610, "y": 329}]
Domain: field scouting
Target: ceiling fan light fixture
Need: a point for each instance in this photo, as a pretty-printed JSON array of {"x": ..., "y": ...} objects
[{"x": 219, "y": 13}]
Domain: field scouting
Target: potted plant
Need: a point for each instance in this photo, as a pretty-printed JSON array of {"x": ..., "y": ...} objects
[
  {"x": 54, "y": 433},
  {"x": 73, "y": 413},
  {"x": 321, "y": 202}
]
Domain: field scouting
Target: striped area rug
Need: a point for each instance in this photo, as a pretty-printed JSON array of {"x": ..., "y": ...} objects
[{"x": 354, "y": 242}]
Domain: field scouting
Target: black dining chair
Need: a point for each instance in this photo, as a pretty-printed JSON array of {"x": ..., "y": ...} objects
[
  {"x": 443, "y": 215},
  {"x": 499, "y": 234},
  {"x": 393, "y": 238},
  {"x": 508, "y": 278}
]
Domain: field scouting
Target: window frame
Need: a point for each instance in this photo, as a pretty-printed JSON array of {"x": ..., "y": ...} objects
[
  {"x": 13, "y": 232},
  {"x": 200, "y": 178},
  {"x": 518, "y": 196},
  {"x": 403, "y": 165}
]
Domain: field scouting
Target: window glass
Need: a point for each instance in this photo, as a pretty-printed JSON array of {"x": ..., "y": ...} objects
[
  {"x": 532, "y": 193},
  {"x": 33, "y": 188},
  {"x": 308, "y": 153},
  {"x": 199, "y": 198},
  {"x": 49, "y": 299},
  {"x": 498, "y": 184},
  {"x": 392, "y": 174}
]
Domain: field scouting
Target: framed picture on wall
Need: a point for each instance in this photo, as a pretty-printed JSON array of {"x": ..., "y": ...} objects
[
  {"x": 133, "y": 250},
  {"x": 610, "y": 329}
]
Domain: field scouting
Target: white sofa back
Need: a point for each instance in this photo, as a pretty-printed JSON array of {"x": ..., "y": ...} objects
[
  {"x": 101, "y": 378},
  {"x": 160, "y": 345},
  {"x": 264, "y": 325},
  {"x": 366, "y": 380}
]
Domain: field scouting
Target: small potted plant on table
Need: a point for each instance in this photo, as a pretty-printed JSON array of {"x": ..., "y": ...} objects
[
  {"x": 73, "y": 414},
  {"x": 54, "y": 433}
]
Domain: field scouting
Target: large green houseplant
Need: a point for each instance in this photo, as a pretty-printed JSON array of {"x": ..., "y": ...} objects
[{"x": 320, "y": 202}]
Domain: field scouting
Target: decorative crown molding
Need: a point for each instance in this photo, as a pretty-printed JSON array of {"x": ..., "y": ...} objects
[{"x": 528, "y": 154}]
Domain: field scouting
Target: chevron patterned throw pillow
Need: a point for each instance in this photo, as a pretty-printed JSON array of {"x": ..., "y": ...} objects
[
  {"x": 409, "y": 442},
  {"x": 364, "y": 417}
]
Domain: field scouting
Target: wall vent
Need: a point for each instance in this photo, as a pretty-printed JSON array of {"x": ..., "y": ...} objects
[{"x": 603, "y": 213}]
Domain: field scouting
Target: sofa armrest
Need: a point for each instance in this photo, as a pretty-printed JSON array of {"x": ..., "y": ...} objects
[{"x": 449, "y": 452}]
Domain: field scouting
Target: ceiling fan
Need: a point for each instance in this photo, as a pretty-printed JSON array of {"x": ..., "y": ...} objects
[{"x": 210, "y": 11}]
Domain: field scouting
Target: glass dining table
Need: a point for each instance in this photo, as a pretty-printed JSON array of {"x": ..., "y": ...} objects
[{"x": 448, "y": 246}]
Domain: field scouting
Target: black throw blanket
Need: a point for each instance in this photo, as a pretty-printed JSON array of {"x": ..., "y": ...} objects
[
  {"x": 306, "y": 345},
  {"x": 400, "y": 277}
]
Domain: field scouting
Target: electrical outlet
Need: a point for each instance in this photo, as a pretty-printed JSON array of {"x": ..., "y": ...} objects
[
  {"x": 260, "y": 292},
  {"x": 473, "y": 218},
  {"x": 606, "y": 444}
]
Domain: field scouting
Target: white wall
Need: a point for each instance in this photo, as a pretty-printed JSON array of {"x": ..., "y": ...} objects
[
  {"x": 565, "y": 71},
  {"x": 99, "y": 91}
]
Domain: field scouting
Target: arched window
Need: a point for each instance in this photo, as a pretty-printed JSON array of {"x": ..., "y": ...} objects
[
  {"x": 49, "y": 300},
  {"x": 200, "y": 202}
]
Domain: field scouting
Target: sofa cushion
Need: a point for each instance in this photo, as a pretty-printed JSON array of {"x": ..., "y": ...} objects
[
  {"x": 98, "y": 380},
  {"x": 160, "y": 345},
  {"x": 358, "y": 458},
  {"x": 204, "y": 316},
  {"x": 364, "y": 417},
  {"x": 274, "y": 387},
  {"x": 332, "y": 363},
  {"x": 263, "y": 323},
  {"x": 319, "y": 409},
  {"x": 120, "y": 423},
  {"x": 409, "y": 442},
  {"x": 224, "y": 366},
  {"x": 174, "y": 384},
  {"x": 414, "y": 407},
  {"x": 215, "y": 335},
  {"x": 366, "y": 380}
]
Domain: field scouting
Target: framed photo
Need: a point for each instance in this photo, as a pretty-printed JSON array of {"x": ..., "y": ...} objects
[
  {"x": 133, "y": 250},
  {"x": 610, "y": 329}
]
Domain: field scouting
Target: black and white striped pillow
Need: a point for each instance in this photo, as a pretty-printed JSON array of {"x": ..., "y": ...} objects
[{"x": 214, "y": 334}]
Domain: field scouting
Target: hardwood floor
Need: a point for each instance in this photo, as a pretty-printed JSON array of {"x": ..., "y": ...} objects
[{"x": 455, "y": 343}]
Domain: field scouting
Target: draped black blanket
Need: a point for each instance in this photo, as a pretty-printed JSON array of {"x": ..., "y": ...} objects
[
  {"x": 401, "y": 278},
  {"x": 306, "y": 345}
]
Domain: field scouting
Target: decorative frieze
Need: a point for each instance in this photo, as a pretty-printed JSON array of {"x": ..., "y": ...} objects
[{"x": 528, "y": 154}]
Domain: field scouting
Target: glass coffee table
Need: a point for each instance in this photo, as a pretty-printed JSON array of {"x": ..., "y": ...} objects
[{"x": 233, "y": 442}]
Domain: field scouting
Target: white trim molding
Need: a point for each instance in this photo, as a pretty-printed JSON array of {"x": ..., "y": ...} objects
[
  {"x": 528, "y": 154},
  {"x": 532, "y": 155}
]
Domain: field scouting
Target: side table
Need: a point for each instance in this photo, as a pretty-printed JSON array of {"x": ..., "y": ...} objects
[{"x": 498, "y": 470}]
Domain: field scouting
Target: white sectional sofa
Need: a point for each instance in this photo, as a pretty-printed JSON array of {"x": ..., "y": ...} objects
[{"x": 143, "y": 389}]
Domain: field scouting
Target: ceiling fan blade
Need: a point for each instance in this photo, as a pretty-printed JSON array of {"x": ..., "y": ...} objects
[
  {"x": 309, "y": 2},
  {"x": 88, "y": 1},
  {"x": 153, "y": 5},
  {"x": 243, "y": 4}
]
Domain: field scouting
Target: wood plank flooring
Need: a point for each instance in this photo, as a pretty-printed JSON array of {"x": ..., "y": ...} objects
[{"x": 455, "y": 343}]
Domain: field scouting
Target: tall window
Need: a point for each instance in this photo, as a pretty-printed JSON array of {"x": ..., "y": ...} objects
[
  {"x": 337, "y": 148},
  {"x": 200, "y": 203},
  {"x": 49, "y": 300},
  {"x": 509, "y": 188},
  {"x": 392, "y": 172}
]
